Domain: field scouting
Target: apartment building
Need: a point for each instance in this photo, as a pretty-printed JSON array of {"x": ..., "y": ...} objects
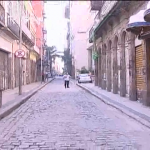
[
  {"x": 11, "y": 12},
  {"x": 81, "y": 19},
  {"x": 41, "y": 32},
  {"x": 121, "y": 42}
]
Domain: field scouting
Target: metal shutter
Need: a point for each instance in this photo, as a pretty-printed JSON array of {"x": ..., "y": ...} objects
[
  {"x": 140, "y": 84},
  {"x": 3, "y": 70}
]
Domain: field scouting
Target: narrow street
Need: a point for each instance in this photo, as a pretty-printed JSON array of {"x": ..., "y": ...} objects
[{"x": 59, "y": 118}]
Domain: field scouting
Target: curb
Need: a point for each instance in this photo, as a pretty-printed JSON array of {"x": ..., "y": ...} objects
[
  {"x": 130, "y": 114},
  {"x": 8, "y": 110}
]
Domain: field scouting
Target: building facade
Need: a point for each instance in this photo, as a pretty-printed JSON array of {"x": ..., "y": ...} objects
[
  {"x": 38, "y": 7},
  {"x": 11, "y": 13},
  {"x": 122, "y": 52},
  {"x": 81, "y": 48}
]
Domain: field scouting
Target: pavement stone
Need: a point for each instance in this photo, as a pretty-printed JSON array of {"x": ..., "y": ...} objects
[
  {"x": 5, "y": 110},
  {"x": 56, "y": 118},
  {"x": 134, "y": 109}
]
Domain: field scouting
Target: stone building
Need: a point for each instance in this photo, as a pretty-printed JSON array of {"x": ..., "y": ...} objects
[{"x": 122, "y": 66}]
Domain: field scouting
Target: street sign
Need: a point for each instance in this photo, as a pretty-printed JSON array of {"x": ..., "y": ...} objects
[{"x": 20, "y": 53}]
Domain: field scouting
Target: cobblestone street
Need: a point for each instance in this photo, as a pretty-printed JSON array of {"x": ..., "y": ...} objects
[{"x": 61, "y": 119}]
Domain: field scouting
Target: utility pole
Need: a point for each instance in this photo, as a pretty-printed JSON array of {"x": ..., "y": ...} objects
[
  {"x": 41, "y": 61},
  {"x": 20, "y": 46}
]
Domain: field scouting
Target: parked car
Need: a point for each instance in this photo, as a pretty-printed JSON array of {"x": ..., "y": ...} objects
[{"x": 84, "y": 78}]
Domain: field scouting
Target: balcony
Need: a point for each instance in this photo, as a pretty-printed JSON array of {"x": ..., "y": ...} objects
[
  {"x": 44, "y": 17},
  {"x": 36, "y": 49},
  {"x": 13, "y": 26},
  {"x": 91, "y": 34},
  {"x": 96, "y": 22},
  {"x": 26, "y": 30},
  {"x": 106, "y": 7},
  {"x": 68, "y": 35},
  {"x": 67, "y": 12},
  {"x": 33, "y": 39},
  {"x": 44, "y": 31},
  {"x": 27, "y": 36},
  {"x": 96, "y": 5},
  {"x": 2, "y": 16},
  {"x": 43, "y": 14}
]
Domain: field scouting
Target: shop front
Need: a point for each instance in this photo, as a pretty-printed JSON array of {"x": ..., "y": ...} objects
[
  {"x": 140, "y": 27},
  {"x": 33, "y": 66},
  {"x": 5, "y": 62},
  {"x": 121, "y": 53}
]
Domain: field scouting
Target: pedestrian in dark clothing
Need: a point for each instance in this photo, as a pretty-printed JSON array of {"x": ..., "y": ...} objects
[
  {"x": 66, "y": 80},
  {"x": 43, "y": 78},
  {"x": 46, "y": 76}
]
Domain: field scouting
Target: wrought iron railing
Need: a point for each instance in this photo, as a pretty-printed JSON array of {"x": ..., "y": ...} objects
[
  {"x": 96, "y": 5},
  {"x": 2, "y": 14},
  {"x": 33, "y": 38},
  {"x": 44, "y": 31},
  {"x": 106, "y": 7}
]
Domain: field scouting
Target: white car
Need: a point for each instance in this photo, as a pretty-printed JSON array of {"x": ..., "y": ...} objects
[{"x": 83, "y": 78}]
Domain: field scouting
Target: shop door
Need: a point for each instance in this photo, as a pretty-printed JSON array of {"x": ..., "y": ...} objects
[
  {"x": 3, "y": 70},
  {"x": 140, "y": 84}
]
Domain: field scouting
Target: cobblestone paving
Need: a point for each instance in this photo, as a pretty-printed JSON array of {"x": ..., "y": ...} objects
[{"x": 59, "y": 119}]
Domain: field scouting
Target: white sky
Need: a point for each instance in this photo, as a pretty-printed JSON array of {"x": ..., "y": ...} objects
[{"x": 55, "y": 23}]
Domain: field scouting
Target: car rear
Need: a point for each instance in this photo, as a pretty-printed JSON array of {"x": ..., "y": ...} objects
[{"x": 84, "y": 78}]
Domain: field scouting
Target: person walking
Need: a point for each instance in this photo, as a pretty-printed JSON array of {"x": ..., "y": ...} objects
[
  {"x": 46, "y": 76},
  {"x": 66, "y": 80},
  {"x": 42, "y": 76}
]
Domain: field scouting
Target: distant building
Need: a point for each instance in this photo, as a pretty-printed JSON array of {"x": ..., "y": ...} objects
[
  {"x": 38, "y": 7},
  {"x": 81, "y": 20}
]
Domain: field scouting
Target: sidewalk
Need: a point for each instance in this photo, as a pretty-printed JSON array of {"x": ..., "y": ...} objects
[
  {"x": 133, "y": 109},
  {"x": 11, "y": 100},
  {"x": 11, "y": 94}
]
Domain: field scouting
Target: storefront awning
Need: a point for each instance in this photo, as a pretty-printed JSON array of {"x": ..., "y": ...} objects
[
  {"x": 137, "y": 22},
  {"x": 147, "y": 13}
]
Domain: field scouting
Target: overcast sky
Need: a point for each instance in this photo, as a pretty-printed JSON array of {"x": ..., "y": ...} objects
[{"x": 55, "y": 24}]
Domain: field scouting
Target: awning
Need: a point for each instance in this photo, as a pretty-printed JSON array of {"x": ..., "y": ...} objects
[
  {"x": 137, "y": 22},
  {"x": 147, "y": 13}
]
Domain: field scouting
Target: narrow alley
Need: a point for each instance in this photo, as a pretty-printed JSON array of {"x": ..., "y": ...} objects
[{"x": 61, "y": 119}]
